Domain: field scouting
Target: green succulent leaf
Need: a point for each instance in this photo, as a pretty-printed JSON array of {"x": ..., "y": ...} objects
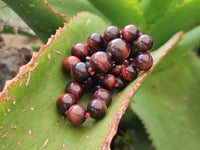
[
  {"x": 154, "y": 9},
  {"x": 38, "y": 15},
  {"x": 71, "y": 7},
  {"x": 182, "y": 17},
  {"x": 168, "y": 101},
  {"x": 120, "y": 12},
  {"x": 28, "y": 113}
]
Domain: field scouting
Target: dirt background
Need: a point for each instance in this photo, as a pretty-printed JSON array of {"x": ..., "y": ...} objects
[{"x": 15, "y": 51}]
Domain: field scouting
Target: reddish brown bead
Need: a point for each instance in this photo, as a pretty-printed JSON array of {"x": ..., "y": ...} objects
[
  {"x": 103, "y": 94},
  {"x": 74, "y": 88},
  {"x": 144, "y": 43},
  {"x": 79, "y": 71},
  {"x": 119, "y": 50},
  {"x": 76, "y": 114},
  {"x": 130, "y": 33},
  {"x": 97, "y": 108},
  {"x": 111, "y": 32},
  {"x": 95, "y": 42},
  {"x": 69, "y": 62},
  {"x": 109, "y": 81},
  {"x": 64, "y": 102},
  {"x": 129, "y": 73},
  {"x": 100, "y": 62},
  {"x": 80, "y": 50},
  {"x": 144, "y": 61}
]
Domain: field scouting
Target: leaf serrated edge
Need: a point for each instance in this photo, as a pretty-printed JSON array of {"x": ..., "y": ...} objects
[
  {"x": 55, "y": 12},
  {"x": 30, "y": 67},
  {"x": 126, "y": 100}
]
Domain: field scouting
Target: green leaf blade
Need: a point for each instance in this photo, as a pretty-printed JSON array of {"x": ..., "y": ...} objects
[
  {"x": 38, "y": 16},
  {"x": 121, "y": 12},
  {"x": 183, "y": 17}
]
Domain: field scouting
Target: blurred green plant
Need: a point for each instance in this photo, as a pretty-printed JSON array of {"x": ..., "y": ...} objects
[{"x": 166, "y": 101}]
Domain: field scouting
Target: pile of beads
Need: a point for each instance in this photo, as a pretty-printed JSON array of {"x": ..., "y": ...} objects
[{"x": 106, "y": 61}]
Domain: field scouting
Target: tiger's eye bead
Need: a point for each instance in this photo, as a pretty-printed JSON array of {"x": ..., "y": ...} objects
[
  {"x": 116, "y": 69},
  {"x": 111, "y": 32},
  {"x": 119, "y": 50},
  {"x": 144, "y": 43},
  {"x": 144, "y": 61},
  {"x": 100, "y": 62},
  {"x": 129, "y": 73},
  {"x": 97, "y": 108},
  {"x": 79, "y": 71},
  {"x": 103, "y": 94},
  {"x": 64, "y": 102},
  {"x": 69, "y": 62},
  {"x": 95, "y": 41},
  {"x": 109, "y": 81},
  {"x": 130, "y": 33},
  {"x": 76, "y": 114},
  {"x": 80, "y": 50},
  {"x": 74, "y": 88}
]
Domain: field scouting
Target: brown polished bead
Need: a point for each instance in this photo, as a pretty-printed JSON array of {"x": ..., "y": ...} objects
[
  {"x": 129, "y": 73},
  {"x": 109, "y": 81},
  {"x": 76, "y": 114},
  {"x": 95, "y": 42},
  {"x": 97, "y": 108},
  {"x": 119, "y": 50},
  {"x": 144, "y": 43},
  {"x": 100, "y": 62},
  {"x": 103, "y": 94},
  {"x": 74, "y": 88},
  {"x": 130, "y": 33},
  {"x": 79, "y": 71},
  {"x": 80, "y": 50},
  {"x": 111, "y": 32},
  {"x": 144, "y": 61}
]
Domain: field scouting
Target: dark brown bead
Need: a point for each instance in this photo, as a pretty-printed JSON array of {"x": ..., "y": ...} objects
[
  {"x": 129, "y": 73},
  {"x": 103, "y": 94},
  {"x": 64, "y": 102},
  {"x": 100, "y": 62},
  {"x": 97, "y": 88},
  {"x": 119, "y": 50},
  {"x": 95, "y": 41},
  {"x": 144, "y": 43},
  {"x": 109, "y": 81},
  {"x": 80, "y": 50},
  {"x": 79, "y": 71},
  {"x": 144, "y": 61},
  {"x": 130, "y": 33},
  {"x": 120, "y": 83},
  {"x": 69, "y": 62},
  {"x": 97, "y": 108},
  {"x": 74, "y": 88},
  {"x": 111, "y": 32},
  {"x": 76, "y": 114}
]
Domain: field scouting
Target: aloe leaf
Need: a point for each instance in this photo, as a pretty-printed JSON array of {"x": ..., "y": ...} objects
[
  {"x": 120, "y": 12},
  {"x": 38, "y": 15},
  {"x": 72, "y": 7},
  {"x": 182, "y": 17},
  {"x": 169, "y": 105},
  {"x": 154, "y": 9},
  {"x": 28, "y": 113}
]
